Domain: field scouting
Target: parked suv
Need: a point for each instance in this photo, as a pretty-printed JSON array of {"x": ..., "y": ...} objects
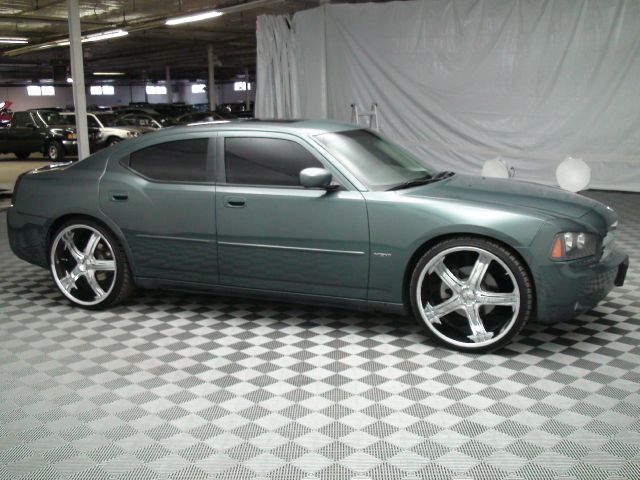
[
  {"x": 43, "y": 131},
  {"x": 109, "y": 132}
]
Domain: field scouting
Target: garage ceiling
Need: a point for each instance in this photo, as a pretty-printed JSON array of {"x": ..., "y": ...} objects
[{"x": 150, "y": 45}]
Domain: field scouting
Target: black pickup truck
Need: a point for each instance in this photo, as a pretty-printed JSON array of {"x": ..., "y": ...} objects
[{"x": 44, "y": 131}]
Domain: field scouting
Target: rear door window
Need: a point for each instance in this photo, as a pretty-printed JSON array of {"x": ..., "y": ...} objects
[{"x": 177, "y": 161}]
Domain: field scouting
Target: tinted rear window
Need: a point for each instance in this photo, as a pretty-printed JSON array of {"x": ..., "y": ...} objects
[{"x": 177, "y": 161}]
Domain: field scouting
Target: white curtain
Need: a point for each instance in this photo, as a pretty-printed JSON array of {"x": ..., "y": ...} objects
[
  {"x": 277, "y": 73},
  {"x": 460, "y": 82}
]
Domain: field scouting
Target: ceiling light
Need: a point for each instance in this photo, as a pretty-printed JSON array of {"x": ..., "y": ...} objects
[
  {"x": 196, "y": 17},
  {"x": 95, "y": 37},
  {"x": 13, "y": 40},
  {"x": 109, "y": 74},
  {"x": 69, "y": 80}
]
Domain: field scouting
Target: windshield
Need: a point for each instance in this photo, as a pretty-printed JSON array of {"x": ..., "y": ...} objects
[
  {"x": 54, "y": 118},
  {"x": 107, "y": 119},
  {"x": 378, "y": 163},
  {"x": 71, "y": 120}
]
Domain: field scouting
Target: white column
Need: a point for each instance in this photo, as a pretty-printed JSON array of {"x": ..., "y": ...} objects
[
  {"x": 247, "y": 101},
  {"x": 77, "y": 73},
  {"x": 211, "y": 88},
  {"x": 167, "y": 75}
]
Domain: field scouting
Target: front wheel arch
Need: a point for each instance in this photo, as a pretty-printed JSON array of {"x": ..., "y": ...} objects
[{"x": 424, "y": 247}]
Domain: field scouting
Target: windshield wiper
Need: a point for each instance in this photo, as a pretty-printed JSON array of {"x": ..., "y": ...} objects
[{"x": 422, "y": 180}]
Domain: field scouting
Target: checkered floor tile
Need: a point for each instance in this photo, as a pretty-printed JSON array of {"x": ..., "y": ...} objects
[{"x": 175, "y": 386}]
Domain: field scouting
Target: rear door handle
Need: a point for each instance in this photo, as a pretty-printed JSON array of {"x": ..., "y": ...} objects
[
  {"x": 235, "y": 202},
  {"x": 119, "y": 196}
]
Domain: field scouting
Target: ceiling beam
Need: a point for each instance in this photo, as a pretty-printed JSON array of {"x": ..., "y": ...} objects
[{"x": 46, "y": 19}]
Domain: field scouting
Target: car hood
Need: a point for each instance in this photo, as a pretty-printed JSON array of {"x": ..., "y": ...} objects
[
  {"x": 71, "y": 128},
  {"x": 513, "y": 193}
]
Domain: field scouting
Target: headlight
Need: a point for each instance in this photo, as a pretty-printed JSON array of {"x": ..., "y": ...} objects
[{"x": 574, "y": 245}]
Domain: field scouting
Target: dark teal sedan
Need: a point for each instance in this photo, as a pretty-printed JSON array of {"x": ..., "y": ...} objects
[{"x": 316, "y": 212}]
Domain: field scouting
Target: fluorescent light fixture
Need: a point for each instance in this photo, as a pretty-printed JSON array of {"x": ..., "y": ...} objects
[
  {"x": 108, "y": 90},
  {"x": 196, "y": 17},
  {"x": 198, "y": 88},
  {"x": 95, "y": 90},
  {"x": 34, "y": 90},
  {"x": 108, "y": 74},
  {"x": 48, "y": 90},
  {"x": 95, "y": 37},
  {"x": 19, "y": 40}
]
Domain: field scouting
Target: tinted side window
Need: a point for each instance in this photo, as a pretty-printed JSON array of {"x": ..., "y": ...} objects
[
  {"x": 266, "y": 161},
  {"x": 20, "y": 119},
  {"x": 179, "y": 161}
]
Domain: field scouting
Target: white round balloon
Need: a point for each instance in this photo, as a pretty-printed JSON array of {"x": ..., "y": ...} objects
[
  {"x": 573, "y": 174},
  {"x": 495, "y": 168}
]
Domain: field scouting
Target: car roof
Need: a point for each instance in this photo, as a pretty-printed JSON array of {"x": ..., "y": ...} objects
[{"x": 310, "y": 127}]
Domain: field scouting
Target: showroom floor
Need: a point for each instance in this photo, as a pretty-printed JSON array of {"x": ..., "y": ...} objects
[{"x": 194, "y": 387}]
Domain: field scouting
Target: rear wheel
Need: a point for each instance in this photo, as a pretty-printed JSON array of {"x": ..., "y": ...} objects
[
  {"x": 55, "y": 151},
  {"x": 471, "y": 294},
  {"x": 88, "y": 265}
]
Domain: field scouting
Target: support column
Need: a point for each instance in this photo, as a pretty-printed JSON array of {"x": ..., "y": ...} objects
[
  {"x": 247, "y": 100},
  {"x": 144, "y": 86},
  {"x": 211, "y": 88},
  {"x": 77, "y": 73},
  {"x": 167, "y": 76}
]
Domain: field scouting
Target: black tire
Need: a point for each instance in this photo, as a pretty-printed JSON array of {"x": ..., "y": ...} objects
[
  {"x": 22, "y": 155},
  {"x": 499, "y": 295},
  {"x": 55, "y": 151},
  {"x": 110, "y": 252},
  {"x": 113, "y": 141}
]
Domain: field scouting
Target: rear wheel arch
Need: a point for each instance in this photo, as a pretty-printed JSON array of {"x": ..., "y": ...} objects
[
  {"x": 88, "y": 262},
  {"x": 58, "y": 222}
]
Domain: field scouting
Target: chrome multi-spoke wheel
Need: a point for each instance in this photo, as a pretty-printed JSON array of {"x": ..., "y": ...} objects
[
  {"x": 87, "y": 265},
  {"x": 471, "y": 294}
]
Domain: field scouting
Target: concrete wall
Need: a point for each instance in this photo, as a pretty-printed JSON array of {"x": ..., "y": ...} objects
[{"x": 123, "y": 95}]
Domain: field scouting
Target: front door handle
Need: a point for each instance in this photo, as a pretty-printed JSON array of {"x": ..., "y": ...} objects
[{"x": 234, "y": 202}]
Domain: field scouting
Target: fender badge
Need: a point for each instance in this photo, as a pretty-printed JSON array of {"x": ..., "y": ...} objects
[{"x": 381, "y": 254}]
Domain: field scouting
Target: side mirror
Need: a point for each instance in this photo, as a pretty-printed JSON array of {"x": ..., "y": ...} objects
[{"x": 315, "y": 178}]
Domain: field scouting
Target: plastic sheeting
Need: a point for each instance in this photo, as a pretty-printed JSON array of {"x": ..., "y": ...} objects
[
  {"x": 277, "y": 72},
  {"x": 461, "y": 82}
]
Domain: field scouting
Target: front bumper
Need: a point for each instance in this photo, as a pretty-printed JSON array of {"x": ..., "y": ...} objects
[
  {"x": 568, "y": 289},
  {"x": 70, "y": 147}
]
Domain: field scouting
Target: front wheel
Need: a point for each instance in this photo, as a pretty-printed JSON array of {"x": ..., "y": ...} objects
[
  {"x": 471, "y": 294},
  {"x": 55, "y": 151},
  {"x": 113, "y": 141},
  {"x": 88, "y": 265}
]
